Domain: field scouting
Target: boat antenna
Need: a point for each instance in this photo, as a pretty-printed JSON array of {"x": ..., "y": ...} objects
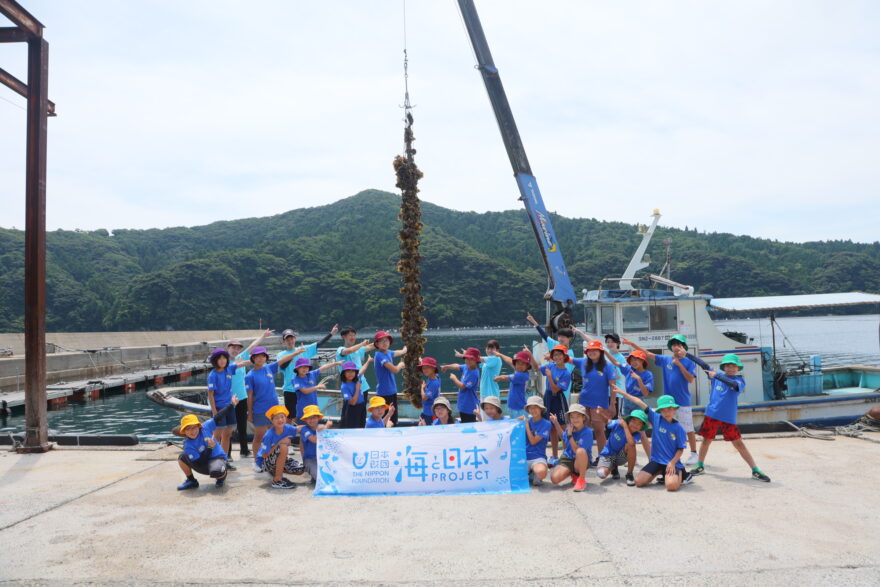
[{"x": 413, "y": 323}]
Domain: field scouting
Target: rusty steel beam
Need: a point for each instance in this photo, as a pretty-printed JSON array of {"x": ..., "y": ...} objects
[
  {"x": 20, "y": 88},
  {"x": 21, "y": 18},
  {"x": 13, "y": 35},
  {"x": 36, "y": 426}
]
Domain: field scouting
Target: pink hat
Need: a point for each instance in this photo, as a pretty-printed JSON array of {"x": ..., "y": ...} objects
[
  {"x": 427, "y": 362},
  {"x": 525, "y": 357},
  {"x": 382, "y": 334},
  {"x": 474, "y": 354}
]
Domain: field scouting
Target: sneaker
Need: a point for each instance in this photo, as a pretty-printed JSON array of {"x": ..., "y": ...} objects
[
  {"x": 630, "y": 480},
  {"x": 615, "y": 474},
  {"x": 553, "y": 461},
  {"x": 760, "y": 476},
  {"x": 687, "y": 479},
  {"x": 257, "y": 468},
  {"x": 229, "y": 458},
  {"x": 580, "y": 484},
  {"x": 595, "y": 462},
  {"x": 531, "y": 477},
  {"x": 188, "y": 484},
  {"x": 698, "y": 470},
  {"x": 284, "y": 483},
  {"x": 230, "y": 466},
  {"x": 693, "y": 459},
  {"x": 220, "y": 482},
  {"x": 661, "y": 480}
]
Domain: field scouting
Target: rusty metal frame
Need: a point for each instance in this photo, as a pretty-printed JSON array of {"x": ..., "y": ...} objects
[{"x": 29, "y": 30}]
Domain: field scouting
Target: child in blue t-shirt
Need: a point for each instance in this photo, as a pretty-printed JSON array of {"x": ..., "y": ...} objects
[
  {"x": 430, "y": 389},
  {"x": 557, "y": 379},
  {"x": 468, "y": 392},
  {"x": 386, "y": 385},
  {"x": 201, "y": 452},
  {"x": 308, "y": 439},
  {"x": 578, "y": 442},
  {"x": 537, "y": 435},
  {"x": 564, "y": 337},
  {"x": 220, "y": 395},
  {"x": 667, "y": 444},
  {"x": 274, "y": 454},
  {"x": 262, "y": 395},
  {"x": 598, "y": 378},
  {"x": 442, "y": 413},
  {"x": 519, "y": 379},
  {"x": 380, "y": 413},
  {"x": 491, "y": 407},
  {"x": 620, "y": 449},
  {"x": 721, "y": 412},
  {"x": 639, "y": 382},
  {"x": 354, "y": 412},
  {"x": 306, "y": 385}
]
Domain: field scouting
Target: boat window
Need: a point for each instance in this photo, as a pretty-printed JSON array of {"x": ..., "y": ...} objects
[
  {"x": 635, "y": 318},
  {"x": 590, "y": 319},
  {"x": 607, "y": 315},
  {"x": 664, "y": 317}
]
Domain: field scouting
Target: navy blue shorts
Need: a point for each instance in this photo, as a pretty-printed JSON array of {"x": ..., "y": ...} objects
[
  {"x": 655, "y": 468},
  {"x": 556, "y": 404},
  {"x": 261, "y": 420},
  {"x": 226, "y": 420}
]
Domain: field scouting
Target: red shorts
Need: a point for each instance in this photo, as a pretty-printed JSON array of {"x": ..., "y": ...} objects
[{"x": 709, "y": 428}]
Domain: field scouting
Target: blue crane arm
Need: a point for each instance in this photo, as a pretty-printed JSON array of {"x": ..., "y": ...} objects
[{"x": 559, "y": 288}]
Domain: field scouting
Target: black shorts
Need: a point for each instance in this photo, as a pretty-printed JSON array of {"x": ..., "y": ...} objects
[
  {"x": 466, "y": 418},
  {"x": 290, "y": 403},
  {"x": 353, "y": 416},
  {"x": 215, "y": 468},
  {"x": 655, "y": 468},
  {"x": 556, "y": 404}
]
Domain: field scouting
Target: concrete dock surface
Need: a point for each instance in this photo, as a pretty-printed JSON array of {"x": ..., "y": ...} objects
[{"x": 110, "y": 516}]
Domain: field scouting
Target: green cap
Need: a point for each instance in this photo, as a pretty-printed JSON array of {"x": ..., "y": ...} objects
[
  {"x": 666, "y": 401},
  {"x": 677, "y": 338},
  {"x": 732, "y": 359},
  {"x": 638, "y": 414}
]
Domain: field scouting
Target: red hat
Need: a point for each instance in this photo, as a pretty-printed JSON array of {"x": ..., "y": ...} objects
[
  {"x": 595, "y": 345},
  {"x": 382, "y": 334},
  {"x": 525, "y": 357},
  {"x": 564, "y": 349},
  {"x": 427, "y": 362},
  {"x": 638, "y": 355},
  {"x": 474, "y": 354}
]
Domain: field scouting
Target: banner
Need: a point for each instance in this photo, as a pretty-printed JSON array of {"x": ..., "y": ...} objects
[{"x": 483, "y": 457}]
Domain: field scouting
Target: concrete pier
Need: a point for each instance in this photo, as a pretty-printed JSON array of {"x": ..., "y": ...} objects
[{"x": 91, "y": 516}]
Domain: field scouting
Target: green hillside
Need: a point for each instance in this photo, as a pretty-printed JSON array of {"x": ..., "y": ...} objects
[{"x": 337, "y": 263}]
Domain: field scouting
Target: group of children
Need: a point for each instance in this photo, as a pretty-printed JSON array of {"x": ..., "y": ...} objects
[{"x": 610, "y": 409}]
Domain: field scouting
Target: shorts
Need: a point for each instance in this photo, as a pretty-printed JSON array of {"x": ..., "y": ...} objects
[
  {"x": 568, "y": 464},
  {"x": 685, "y": 416},
  {"x": 215, "y": 467},
  {"x": 260, "y": 420},
  {"x": 611, "y": 461},
  {"x": 290, "y": 402},
  {"x": 353, "y": 416},
  {"x": 655, "y": 468},
  {"x": 227, "y": 420},
  {"x": 466, "y": 418},
  {"x": 710, "y": 426},
  {"x": 292, "y": 466},
  {"x": 532, "y": 462},
  {"x": 556, "y": 404},
  {"x": 311, "y": 467}
]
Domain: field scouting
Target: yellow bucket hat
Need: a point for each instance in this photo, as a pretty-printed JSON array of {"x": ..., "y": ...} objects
[
  {"x": 309, "y": 411},
  {"x": 189, "y": 420},
  {"x": 377, "y": 402},
  {"x": 277, "y": 409}
]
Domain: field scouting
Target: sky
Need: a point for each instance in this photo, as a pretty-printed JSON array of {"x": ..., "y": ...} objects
[{"x": 750, "y": 117}]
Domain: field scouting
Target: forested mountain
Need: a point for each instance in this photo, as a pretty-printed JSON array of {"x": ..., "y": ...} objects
[{"x": 312, "y": 267}]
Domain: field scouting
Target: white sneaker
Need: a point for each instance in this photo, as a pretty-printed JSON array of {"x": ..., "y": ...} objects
[
  {"x": 257, "y": 468},
  {"x": 693, "y": 459}
]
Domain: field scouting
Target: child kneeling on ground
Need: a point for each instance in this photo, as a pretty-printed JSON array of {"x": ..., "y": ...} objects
[
  {"x": 623, "y": 434},
  {"x": 196, "y": 454},
  {"x": 578, "y": 442},
  {"x": 537, "y": 434},
  {"x": 274, "y": 454},
  {"x": 308, "y": 439}
]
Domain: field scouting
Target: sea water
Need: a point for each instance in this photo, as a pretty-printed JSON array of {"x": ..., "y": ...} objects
[{"x": 840, "y": 340}]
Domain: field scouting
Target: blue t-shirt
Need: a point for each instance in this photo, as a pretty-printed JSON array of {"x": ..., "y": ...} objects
[
  {"x": 617, "y": 438},
  {"x": 374, "y": 423},
  {"x": 724, "y": 398},
  {"x": 468, "y": 398},
  {"x": 271, "y": 438},
  {"x": 674, "y": 383},
  {"x": 516, "y": 395},
  {"x": 287, "y": 371},
  {"x": 583, "y": 438},
  {"x": 667, "y": 439},
  {"x": 432, "y": 392},
  {"x": 552, "y": 342},
  {"x": 632, "y": 386},
  {"x": 220, "y": 382},
  {"x": 561, "y": 377},
  {"x": 196, "y": 447},
  {"x": 490, "y": 368},
  {"x": 540, "y": 428},
  {"x": 309, "y": 398},
  {"x": 349, "y": 389},
  {"x": 620, "y": 358},
  {"x": 596, "y": 392},
  {"x": 356, "y": 357},
  {"x": 238, "y": 379},
  {"x": 385, "y": 383},
  {"x": 261, "y": 383},
  {"x": 308, "y": 448}
]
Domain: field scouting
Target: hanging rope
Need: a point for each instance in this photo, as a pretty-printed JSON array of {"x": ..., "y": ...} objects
[{"x": 413, "y": 324}]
